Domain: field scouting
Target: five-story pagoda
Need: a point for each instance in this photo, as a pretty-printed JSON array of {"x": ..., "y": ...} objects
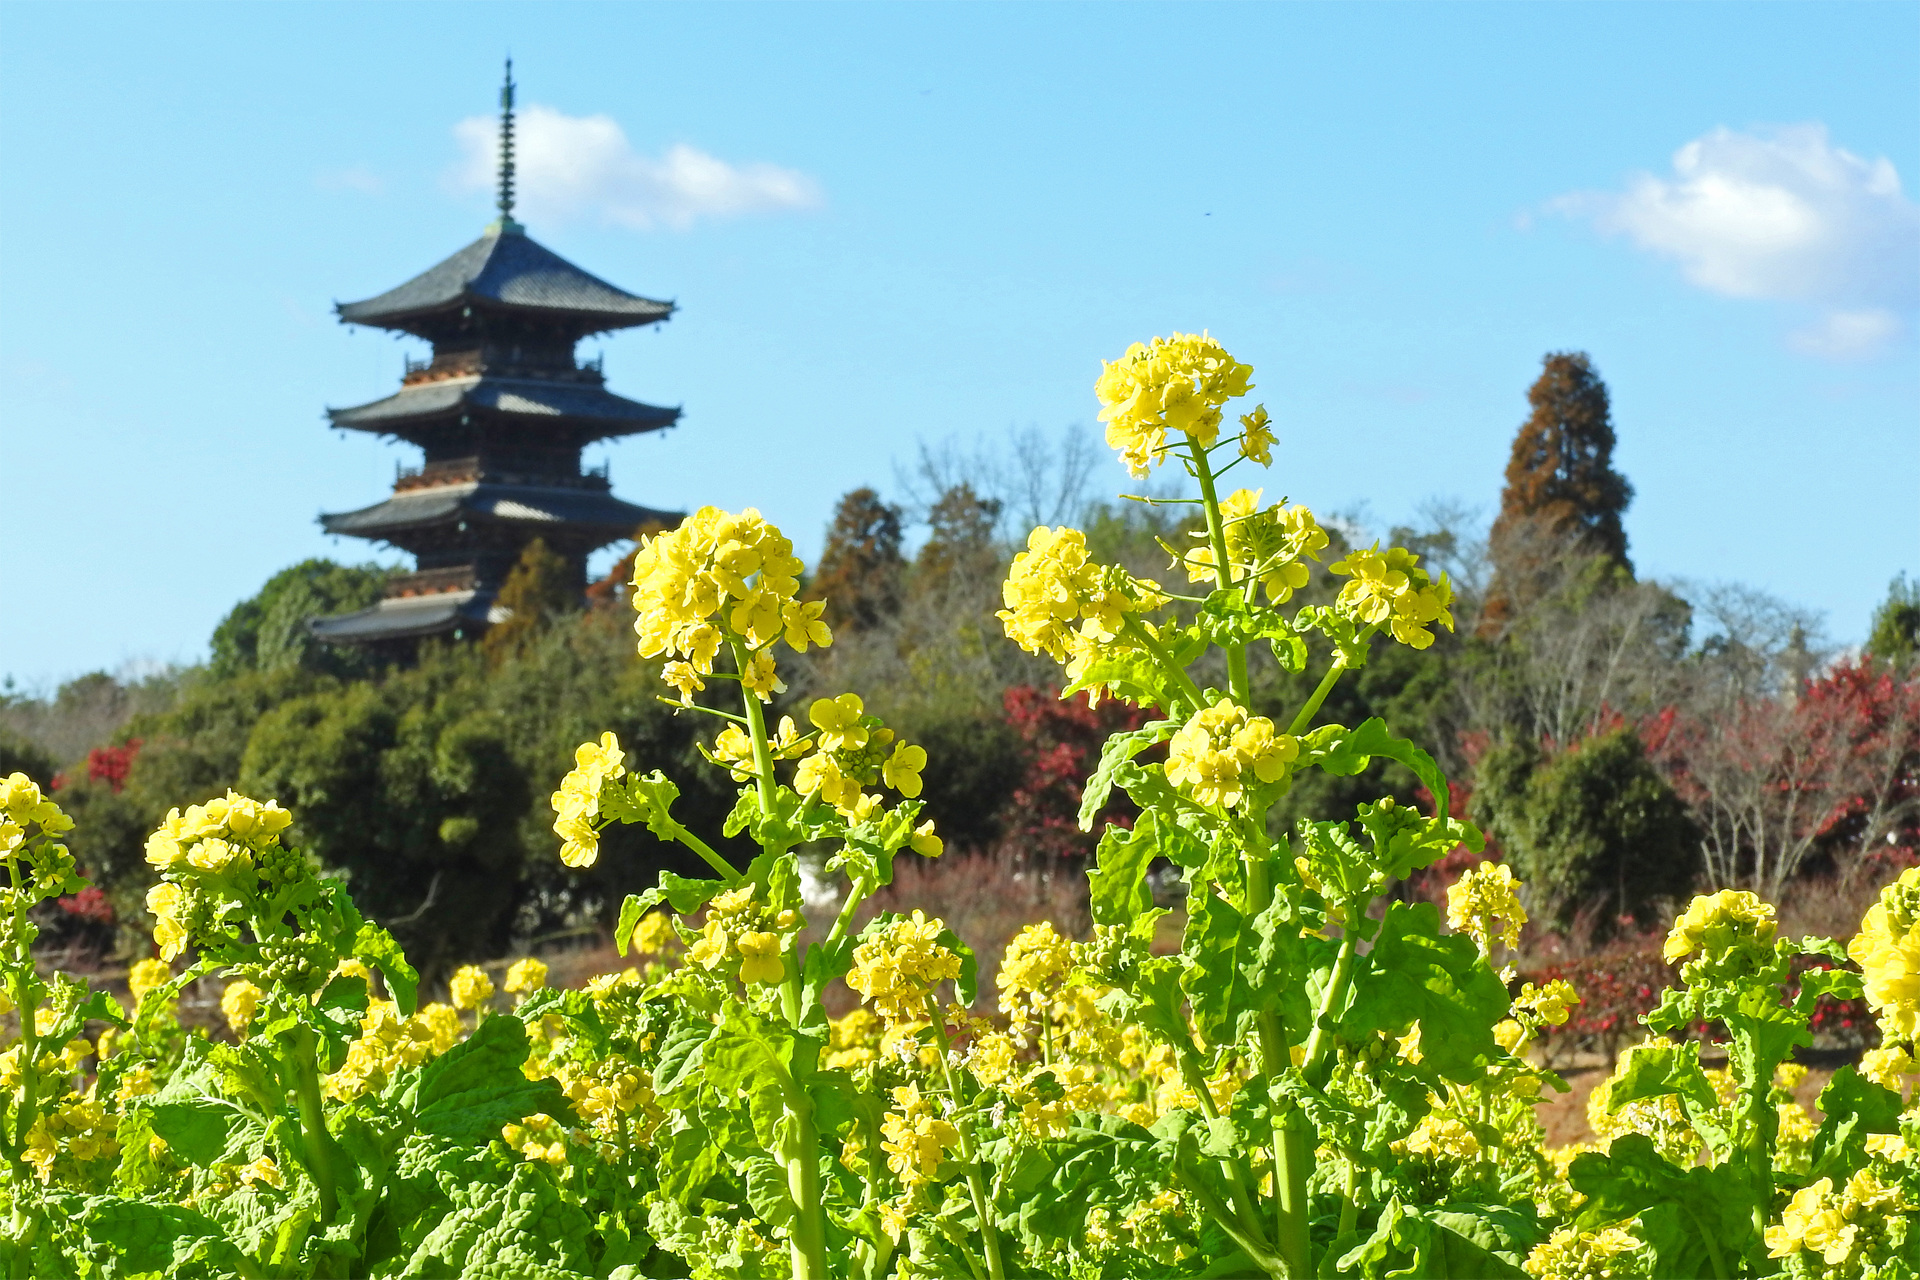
[{"x": 501, "y": 413}]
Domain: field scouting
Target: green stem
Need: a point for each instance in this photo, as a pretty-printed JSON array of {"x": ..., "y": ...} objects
[
  {"x": 1312, "y": 707},
  {"x": 757, "y": 727},
  {"x": 808, "y": 1245},
  {"x": 1250, "y": 1243},
  {"x": 303, "y": 1055},
  {"x": 1131, "y": 627},
  {"x": 1238, "y": 684},
  {"x": 976, "y": 1177}
]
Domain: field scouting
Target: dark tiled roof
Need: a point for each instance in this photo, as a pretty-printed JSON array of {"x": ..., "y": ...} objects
[
  {"x": 606, "y": 413},
  {"x": 408, "y": 617},
  {"x": 529, "y": 505},
  {"x": 509, "y": 269}
]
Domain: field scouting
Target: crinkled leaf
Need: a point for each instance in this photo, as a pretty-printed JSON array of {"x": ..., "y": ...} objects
[
  {"x": 1349, "y": 753},
  {"x": 1853, "y": 1107},
  {"x": 1697, "y": 1219},
  {"x": 470, "y": 1091},
  {"x": 157, "y": 1238},
  {"x": 1413, "y": 974}
]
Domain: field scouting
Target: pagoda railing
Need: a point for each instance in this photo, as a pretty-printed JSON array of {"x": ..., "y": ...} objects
[{"x": 471, "y": 471}]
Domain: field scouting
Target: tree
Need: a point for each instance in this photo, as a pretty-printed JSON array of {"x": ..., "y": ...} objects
[
  {"x": 1896, "y": 623},
  {"x": 1561, "y": 486},
  {"x": 861, "y": 567},
  {"x": 960, "y": 538},
  {"x": 540, "y": 588},
  {"x": 1592, "y": 827},
  {"x": 269, "y": 631}
]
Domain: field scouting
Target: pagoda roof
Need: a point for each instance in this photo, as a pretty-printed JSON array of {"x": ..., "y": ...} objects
[
  {"x": 410, "y": 617},
  {"x": 606, "y": 413},
  {"x": 506, "y": 269},
  {"x": 534, "y": 506}
]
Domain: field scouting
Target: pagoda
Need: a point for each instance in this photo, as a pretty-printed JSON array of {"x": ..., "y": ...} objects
[{"x": 500, "y": 413}]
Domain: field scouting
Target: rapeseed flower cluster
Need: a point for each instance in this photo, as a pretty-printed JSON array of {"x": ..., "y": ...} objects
[
  {"x": 1053, "y": 584},
  {"x": 80, "y": 1126},
  {"x": 738, "y": 928},
  {"x": 1732, "y": 930},
  {"x": 1612, "y": 1253},
  {"x": 239, "y": 1002},
  {"x": 915, "y": 1137},
  {"x": 147, "y": 975},
  {"x": 388, "y": 1042},
  {"x": 577, "y": 802},
  {"x": 22, "y": 806},
  {"x": 897, "y": 968},
  {"x": 228, "y": 837},
  {"x": 1221, "y": 751},
  {"x": 1033, "y": 970},
  {"x": 538, "y": 1138},
  {"x": 1270, "y": 544},
  {"x": 1838, "y": 1225},
  {"x": 1389, "y": 589},
  {"x": 1887, "y": 949},
  {"x": 1178, "y": 384},
  {"x": 722, "y": 578},
  {"x": 1484, "y": 904}
]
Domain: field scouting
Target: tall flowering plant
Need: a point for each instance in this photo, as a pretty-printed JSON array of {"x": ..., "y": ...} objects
[{"x": 815, "y": 1163}]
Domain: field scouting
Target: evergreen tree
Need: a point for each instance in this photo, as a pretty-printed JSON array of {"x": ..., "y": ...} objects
[
  {"x": 1593, "y": 828},
  {"x": 540, "y": 588},
  {"x": 1562, "y": 494},
  {"x": 1896, "y": 623},
  {"x": 960, "y": 540},
  {"x": 861, "y": 567},
  {"x": 269, "y": 631}
]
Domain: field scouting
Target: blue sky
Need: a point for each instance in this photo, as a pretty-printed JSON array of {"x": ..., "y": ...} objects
[{"x": 894, "y": 224}]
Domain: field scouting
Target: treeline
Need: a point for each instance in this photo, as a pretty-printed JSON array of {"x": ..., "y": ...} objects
[{"x": 1621, "y": 740}]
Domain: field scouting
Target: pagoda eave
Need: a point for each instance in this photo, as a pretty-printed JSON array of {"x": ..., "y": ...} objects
[
  {"x": 400, "y": 618},
  {"x": 584, "y": 516},
  {"x": 582, "y": 410}
]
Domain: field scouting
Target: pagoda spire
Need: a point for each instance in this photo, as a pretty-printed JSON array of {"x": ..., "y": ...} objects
[{"x": 505, "y": 201}]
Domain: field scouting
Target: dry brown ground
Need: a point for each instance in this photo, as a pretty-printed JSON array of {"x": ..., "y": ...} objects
[{"x": 1564, "y": 1115}]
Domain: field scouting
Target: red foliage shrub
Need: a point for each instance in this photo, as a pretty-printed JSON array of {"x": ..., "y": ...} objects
[
  {"x": 1060, "y": 741},
  {"x": 111, "y": 764}
]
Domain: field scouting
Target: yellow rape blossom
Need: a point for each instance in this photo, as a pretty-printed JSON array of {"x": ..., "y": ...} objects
[
  {"x": 1887, "y": 949},
  {"x": 1220, "y": 751},
  {"x": 239, "y": 1002},
  {"x": 470, "y": 987},
  {"x": 839, "y": 721},
  {"x": 166, "y": 900},
  {"x": 1256, "y": 436},
  {"x": 898, "y": 968},
  {"x": 577, "y": 803},
  {"x": 1572, "y": 1254},
  {"x": 925, "y": 842},
  {"x": 526, "y": 976},
  {"x": 654, "y": 934},
  {"x": 1481, "y": 896},
  {"x": 760, "y": 957},
  {"x": 1267, "y": 543},
  {"x": 1389, "y": 589},
  {"x": 1176, "y": 383},
  {"x": 902, "y": 769},
  {"x": 1722, "y": 925},
  {"x": 915, "y": 1139},
  {"x": 1053, "y": 584},
  {"x": 146, "y": 975}
]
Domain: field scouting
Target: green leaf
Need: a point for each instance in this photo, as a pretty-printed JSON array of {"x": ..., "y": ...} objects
[
  {"x": 1120, "y": 749},
  {"x": 376, "y": 947},
  {"x": 1117, "y": 883},
  {"x": 1458, "y": 1242},
  {"x": 1132, "y": 674},
  {"x": 158, "y": 1238},
  {"x": 466, "y": 1094},
  {"x": 1100, "y": 1160},
  {"x": 1853, "y": 1107},
  {"x": 98, "y": 1006},
  {"x": 1351, "y": 752},
  {"x": 683, "y": 894},
  {"x": 680, "y": 1058},
  {"x": 1698, "y": 1220},
  {"x": 1413, "y": 974}
]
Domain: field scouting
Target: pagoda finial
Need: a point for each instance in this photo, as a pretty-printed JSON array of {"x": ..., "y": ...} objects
[{"x": 506, "y": 222}]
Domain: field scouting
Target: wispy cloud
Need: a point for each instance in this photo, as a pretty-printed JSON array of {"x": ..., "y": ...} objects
[
  {"x": 574, "y": 167},
  {"x": 356, "y": 178},
  {"x": 1783, "y": 215}
]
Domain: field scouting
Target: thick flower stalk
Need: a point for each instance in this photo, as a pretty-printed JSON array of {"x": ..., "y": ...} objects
[{"x": 1268, "y": 545}]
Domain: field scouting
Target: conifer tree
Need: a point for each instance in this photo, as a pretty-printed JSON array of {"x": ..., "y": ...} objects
[
  {"x": 1562, "y": 493},
  {"x": 539, "y": 588},
  {"x": 860, "y": 567}
]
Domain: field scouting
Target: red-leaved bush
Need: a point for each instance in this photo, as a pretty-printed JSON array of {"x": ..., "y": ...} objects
[{"x": 1060, "y": 741}]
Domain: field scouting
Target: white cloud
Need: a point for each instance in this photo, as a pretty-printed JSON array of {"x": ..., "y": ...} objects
[
  {"x": 572, "y": 167},
  {"x": 1848, "y": 335},
  {"x": 358, "y": 178},
  {"x": 1781, "y": 215}
]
